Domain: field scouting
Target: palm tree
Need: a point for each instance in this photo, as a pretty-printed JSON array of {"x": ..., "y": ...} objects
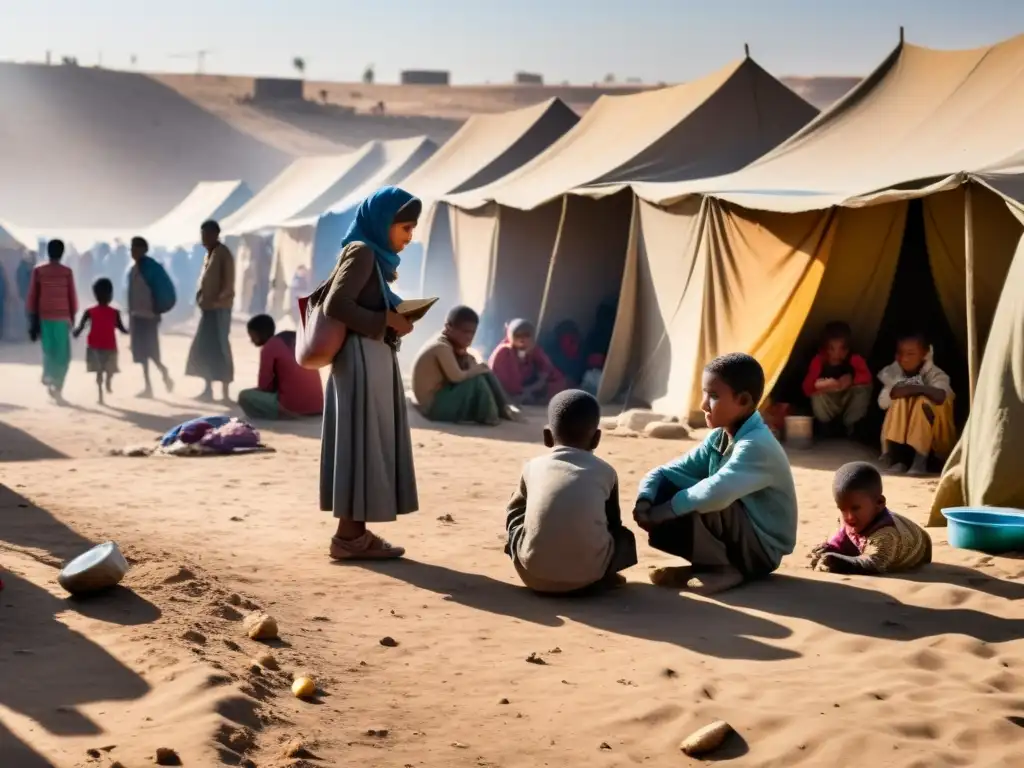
[
  {"x": 300, "y": 65},
  {"x": 368, "y": 75}
]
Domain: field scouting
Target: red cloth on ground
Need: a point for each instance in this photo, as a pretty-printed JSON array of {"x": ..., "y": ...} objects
[{"x": 299, "y": 390}]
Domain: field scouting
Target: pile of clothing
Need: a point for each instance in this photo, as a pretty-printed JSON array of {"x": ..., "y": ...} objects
[{"x": 203, "y": 436}]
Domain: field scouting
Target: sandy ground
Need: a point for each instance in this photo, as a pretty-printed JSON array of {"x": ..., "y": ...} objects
[{"x": 812, "y": 670}]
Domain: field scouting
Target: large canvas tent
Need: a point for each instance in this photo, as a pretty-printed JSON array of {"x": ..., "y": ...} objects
[
  {"x": 215, "y": 200},
  {"x": 486, "y": 148},
  {"x": 519, "y": 239},
  {"x": 311, "y": 239},
  {"x": 299, "y": 186},
  {"x": 305, "y": 180},
  {"x": 860, "y": 217},
  {"x": 984, "y": 468}
]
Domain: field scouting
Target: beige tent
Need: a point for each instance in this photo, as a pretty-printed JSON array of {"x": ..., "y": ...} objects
[
  {"x": 984, "y": 469},
  {"x": 486, "y": 148},
  {"x": 208, "y": 200},
  {"x": 823, "y": 228},
  {"x": 295, "y": 188},
  {"x": 524, "y": 249},
  {"x": 296, "y": 238}
]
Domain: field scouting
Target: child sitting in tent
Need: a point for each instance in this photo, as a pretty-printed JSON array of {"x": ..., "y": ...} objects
[
  {"x": 871, "y": 540},
  {"x": 918, "y": 402},
  {"x": 522, "y": 368},
  {"x": 450, "y": 384},
  {"x": 838, "y": 381},
  {"x": 564, "y": 524}
]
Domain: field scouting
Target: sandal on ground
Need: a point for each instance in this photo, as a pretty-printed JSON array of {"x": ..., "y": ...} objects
[{"x": 369, "y": 546}]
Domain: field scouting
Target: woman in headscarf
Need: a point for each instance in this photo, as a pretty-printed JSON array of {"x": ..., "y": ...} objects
[
  {"x": 366, "y": 464},
  {"x": 523, "y": 369}
]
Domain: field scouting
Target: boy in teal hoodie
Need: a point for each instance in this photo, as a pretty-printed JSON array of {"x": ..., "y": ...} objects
[{"x": 729, "y": 505}]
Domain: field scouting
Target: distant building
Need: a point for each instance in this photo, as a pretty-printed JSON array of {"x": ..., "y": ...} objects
[
  {"x": 529, "y": 78},
  {"x": 277, "y": 89},
  {"x": 425, "y": 77}
]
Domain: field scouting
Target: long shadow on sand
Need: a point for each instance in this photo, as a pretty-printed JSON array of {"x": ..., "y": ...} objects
[
  {"x": 17, "y": 445},
  {"x": 638, "y": 610},
  {"x": 47, "y": 669},
  {"x": 155, "y": 423},
  {"x": 854, "y": 610},
  {"x": 714, "y": 628}
]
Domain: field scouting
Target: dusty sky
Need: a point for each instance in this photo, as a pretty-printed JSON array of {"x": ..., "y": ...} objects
[{"x": 487, "y": 40}]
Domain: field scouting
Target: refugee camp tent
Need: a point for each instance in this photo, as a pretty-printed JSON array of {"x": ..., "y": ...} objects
[
  {"x": 297, "y": 186},
  {"x": 520, "y": 234},
  {"x": 215, "y": 200},
  {"x": 486, "y": 148},
  {"x": 300, "y": 185},
  {"x": 311, "y": 238},
  {"x": 818, "y": 229},
  {"x": 984, "y": 468}
]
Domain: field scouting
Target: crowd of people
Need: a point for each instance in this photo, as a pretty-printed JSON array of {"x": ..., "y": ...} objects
[{"x": 728, "y": 507}]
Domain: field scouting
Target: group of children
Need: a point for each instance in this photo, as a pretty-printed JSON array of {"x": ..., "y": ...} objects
[
  {"x": 916, "y": 396},
  {"x": 728, "y": 506},
  {"x": 52, "y": 305}
]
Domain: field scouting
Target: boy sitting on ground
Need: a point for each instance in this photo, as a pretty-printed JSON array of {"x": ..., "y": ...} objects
[
  {"x": 871, "y": 540},
  {"x": 918, "y": 402},
  {"x": 284, "y": 389},
  {"x": 565, "y": 531},
  {"x": 838, "y": 381},
  {"x": 729, "y": 505},
  {"x": 450, "y": 384}
]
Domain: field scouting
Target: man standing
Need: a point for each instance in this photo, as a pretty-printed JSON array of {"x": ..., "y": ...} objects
[
  {"x": 150, "y": 294},
  {"x": 24, "y": 279},
  {"x": 210, "y": 355},
  {"x": 52, "y": 305}
]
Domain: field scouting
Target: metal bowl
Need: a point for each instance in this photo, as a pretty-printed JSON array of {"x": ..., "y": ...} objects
[{"x": 102, "y": 567}]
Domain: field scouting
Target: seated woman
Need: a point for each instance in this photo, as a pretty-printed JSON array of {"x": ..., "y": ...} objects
[
  {"x": 522, "y": 368},
  {"x": 450, "y": 384},
  {"x": 284, "y": 389}
]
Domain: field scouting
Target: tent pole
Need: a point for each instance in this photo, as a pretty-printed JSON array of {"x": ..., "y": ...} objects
[{"x": 972, "y": 321}]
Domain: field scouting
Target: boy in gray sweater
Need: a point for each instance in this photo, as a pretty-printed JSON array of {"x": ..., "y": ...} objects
[{"x": 565, "y": 532}]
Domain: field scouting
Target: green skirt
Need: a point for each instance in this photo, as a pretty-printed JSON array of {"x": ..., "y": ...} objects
[
  {"x": 471, "y": 401},
  {"x": 55, "y": 339}
]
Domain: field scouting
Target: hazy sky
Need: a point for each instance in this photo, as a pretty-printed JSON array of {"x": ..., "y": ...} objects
[{"x": 488, "y": 40}]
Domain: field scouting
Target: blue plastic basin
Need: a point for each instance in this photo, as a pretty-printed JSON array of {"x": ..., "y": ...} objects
[{"x": 986, "y": 529}]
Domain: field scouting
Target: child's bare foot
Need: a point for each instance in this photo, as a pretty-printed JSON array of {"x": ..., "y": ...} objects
[
  {"x": 886, "y": 460},
  {"x": 146, "y": 394},
  {"x": 673, "y": 577},
  {"x": 897, "y": 469},
  {"x": 168, "y": 382},
  {"x": 713, "y": 582}
]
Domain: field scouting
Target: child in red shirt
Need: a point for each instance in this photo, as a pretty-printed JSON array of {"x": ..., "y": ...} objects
[
  {"x": 284, "y": 389},
  {"x": 838, "y": 381},
  {"x": 101, "y": 344}
]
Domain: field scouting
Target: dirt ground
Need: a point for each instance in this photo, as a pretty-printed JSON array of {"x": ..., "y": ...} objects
[{"x": 812, "y": 670}]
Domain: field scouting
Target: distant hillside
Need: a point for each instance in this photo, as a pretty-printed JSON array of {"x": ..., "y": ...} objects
[
  {"x": 92, "y": 147},
  {"x": 346, "y": 119}
]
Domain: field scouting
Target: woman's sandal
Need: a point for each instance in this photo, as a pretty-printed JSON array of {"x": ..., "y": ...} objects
[{"x": 369, "y": 546}]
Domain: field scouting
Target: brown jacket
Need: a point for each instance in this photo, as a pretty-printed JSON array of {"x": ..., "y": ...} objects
[
  {"x": 217, "y": 280},
  {"x": 352, "y": 294}
]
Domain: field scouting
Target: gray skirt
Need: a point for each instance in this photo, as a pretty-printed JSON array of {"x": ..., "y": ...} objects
[
  {"x": 366, "y": 465},
  {"x": 145, "y": 339},
  {"x": 209, "y": 357}
]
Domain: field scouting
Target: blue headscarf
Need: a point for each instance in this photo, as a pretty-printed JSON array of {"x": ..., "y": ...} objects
[{"x": 372, "y": 225}]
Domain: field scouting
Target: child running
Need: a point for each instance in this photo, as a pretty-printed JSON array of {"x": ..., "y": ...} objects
[
  {"x": 101, "y": 343},
  {"x": 918, "y": 402},
  {"x": 565, "y": 532},
  {"x": 729, "y": 505},
  {"x": 872, "y": 540}
]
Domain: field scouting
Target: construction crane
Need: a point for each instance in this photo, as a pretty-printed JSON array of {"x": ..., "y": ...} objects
[{"x": 199, "y": 56}]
